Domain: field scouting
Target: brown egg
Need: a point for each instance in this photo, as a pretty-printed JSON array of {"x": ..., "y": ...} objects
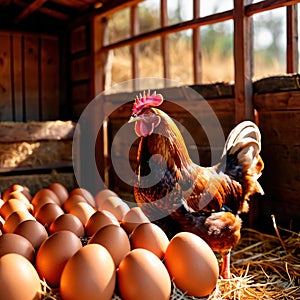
[
  {"x": 11, "y": 206},
  {"x": 48, "y": 213},
  {"x": 142, "y": 275},
  {"x": 22, "y": 198},
  {"x": 42, "y": 193},
  {"x": 54, "y": 253},
  {"x": 60, "y": 191},
  {"x": 151, "y": 237},
  {"x": 114, "y": 239},
  {"x": 83, "y": 211},
  {"x": 16, "y": 188},
  {"x": 97, "y": 221},
  {"x": 89, "y": 274},
  {"x": 18, "y": 279},
  {"x": 14, "y": 243},
  {"x": 102, "y": 196},
  {"x": 67, "y": 222},
  {"x": 133, "y": 218},
  {"x": 192, "y": 264},
  {"x": 15, "y": 219},
  {"x": 111, "y": 216},
  {"x": 84, "y": 193},
  {"x": 42, "y": 201},
  {"x": 73, "y": 200},
  {"x": 116, "y": 206},
  {"x": 33, "y": 231}
]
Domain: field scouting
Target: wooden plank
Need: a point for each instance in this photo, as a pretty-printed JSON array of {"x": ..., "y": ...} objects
[
  {"x": 243, "y": 63},
  {"x": 265, "y": 5},
  {"x": 197, "y": 64},
  {"x": 49, "y": 79},
  {"x": 78, "y": 40},
  {"x": 77, "y": 4},
  {"x": 30, "y": 9},
  {"x": 282, "y": 101},
  {"x": 17, "y": 77},
  {"x": 45, "y": 10},
  {"x": 6, "y": 108},
  {"x": 80, "y": 68},
  {"x": 164, "y": 40},
  {"x": 292, "y": 39},
  {"x": 288, "y": 82},
  {"x": 99, "y": 36},
  {"x": 31, "y": 77},
  {"x": 36, "y": 182},
  {"x": 81, "y": 93},
  {"x": 280, "y": 127},
  {"x": 134, "y": 29}
]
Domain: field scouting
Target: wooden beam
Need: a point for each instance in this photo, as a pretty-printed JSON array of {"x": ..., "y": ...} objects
[
  {"x": 243, "y": 62},
  {"x": 197, "y": 64},
  {"x": 104, "y": 10},
  {"x": 164, "y": 41},
  {"x": 99, "y": 37},
  {"x": 292, "y": 39},
  {"x": 31, "y": 8},
  {"x": 251, "y": 9},
  {"x": 212, "y": 19},
  {"x": 46, "y": 11},
  {"x": 134, "y": 29}
]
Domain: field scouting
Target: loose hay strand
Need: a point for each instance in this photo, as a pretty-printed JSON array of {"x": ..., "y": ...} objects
[{"x": 262, "y": 269}]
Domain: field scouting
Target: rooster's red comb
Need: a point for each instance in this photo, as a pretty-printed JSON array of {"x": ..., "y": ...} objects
[{"x": 146, "y": 100}]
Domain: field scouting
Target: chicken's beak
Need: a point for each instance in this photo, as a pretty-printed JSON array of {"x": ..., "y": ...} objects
[{"x": 134, "y": 119}]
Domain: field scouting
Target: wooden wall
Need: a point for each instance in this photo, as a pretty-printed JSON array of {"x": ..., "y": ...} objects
[
  {"x": 279, "y": 121},
  {"x": 29, "y": 77},
  {"x": 80, "y": 66}
]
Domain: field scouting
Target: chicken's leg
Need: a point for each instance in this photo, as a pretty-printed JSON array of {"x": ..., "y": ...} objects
[{"x": 225, "y": 271}]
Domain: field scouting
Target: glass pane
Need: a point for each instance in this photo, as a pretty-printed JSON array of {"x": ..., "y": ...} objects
[
  {"x": 269, "y": 43},
  {"x": 150, "y": 58},
  {"x": 217, "y": 52},
  {"x": 121, "y": 65},
  {"x": 181, "y": 56},
  {"x": 149, "y": 15},
  {"x": 209, "y": 7},
  {"x": 119, "y": 26},
  {"x": 179, "y": 11}
]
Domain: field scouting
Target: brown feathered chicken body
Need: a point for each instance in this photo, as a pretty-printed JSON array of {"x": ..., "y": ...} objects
[{"x": 180, "y": 195}]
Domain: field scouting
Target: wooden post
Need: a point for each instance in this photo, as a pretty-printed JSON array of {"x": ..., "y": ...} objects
[
  {"x": 197, "y": 57},
  {"x": 243, "y": 62},
  {"x": 99, "y": 37},
  {"x": 164, "y": 40},
  {"x": 292, "y": 39},
  {"x": 134, "y": 29}
]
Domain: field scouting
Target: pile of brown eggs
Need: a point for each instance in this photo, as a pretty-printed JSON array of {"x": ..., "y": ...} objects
[{"x": 89, "y": 247}]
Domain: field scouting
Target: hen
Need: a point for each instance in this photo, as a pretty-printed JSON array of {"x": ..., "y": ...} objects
[{"x": 180, "y": 195}]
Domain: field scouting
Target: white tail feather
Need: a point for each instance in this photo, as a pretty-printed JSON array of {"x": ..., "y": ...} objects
[{"x": 245, "y": 141}]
